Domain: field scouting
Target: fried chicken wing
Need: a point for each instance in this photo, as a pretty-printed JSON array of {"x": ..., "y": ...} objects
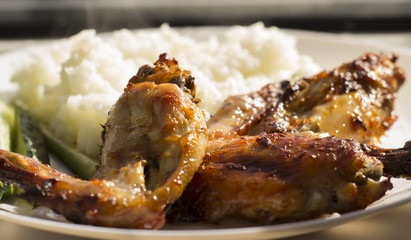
[
  {"x": 355, "y": 100},
  {"x": 397, "y": 162},
  {"x": 280, "y": 177},
  {"x": 153, "y": 142},
  {"x": 97, "y": 202},
  {"x": 155, "y": 121}
]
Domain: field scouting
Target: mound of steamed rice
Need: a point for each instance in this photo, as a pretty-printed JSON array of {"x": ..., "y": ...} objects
[{"x": 72, "y": 84}]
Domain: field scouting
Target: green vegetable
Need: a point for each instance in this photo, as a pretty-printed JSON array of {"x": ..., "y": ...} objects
[
  {"x": 8, "y": 190},
  {"x": 20, "y": 133},
  {"x": 7, "y": 195},
  {"x": 82, "y": 165},
  {"x": 29, "y": 137},
  {"x": 7, "y": 131}
]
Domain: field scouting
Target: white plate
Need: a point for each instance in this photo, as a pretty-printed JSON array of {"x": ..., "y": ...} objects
[{"x": 329, "y": 51}]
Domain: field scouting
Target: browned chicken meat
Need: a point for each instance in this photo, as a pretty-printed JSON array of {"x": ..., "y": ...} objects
[
  {"x": 266, "y": 176},
  {"x": 153, "y": 142},
  {"x": 355, "y": 100},
  {"x": 240, "y": 113},
  {"x": 281, "y": 177}
]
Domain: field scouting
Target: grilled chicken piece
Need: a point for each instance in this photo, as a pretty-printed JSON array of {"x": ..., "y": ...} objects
[
  {"x": 355, "y": 100},
  {"x": 117, "y": 203},
  {"x": 275, "y": 177},
  {"x": 241, "y": 112},
  {"x": 153, "y": 142},
  {"x": 281, "y": 177},
  {"x": 397, "y": 162},
  {"x": 166, "y": 70}
]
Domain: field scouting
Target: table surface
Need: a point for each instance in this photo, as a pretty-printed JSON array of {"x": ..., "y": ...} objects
[{"x": 393, "y": 224}]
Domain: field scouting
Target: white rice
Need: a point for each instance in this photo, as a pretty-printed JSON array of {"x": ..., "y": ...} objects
[{"x": 72, "y": 84}]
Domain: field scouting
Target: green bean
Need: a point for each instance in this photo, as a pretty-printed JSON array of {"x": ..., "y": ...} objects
[
  {"x": 82, "y": 165},
  {"x": 29, "y": 137}
]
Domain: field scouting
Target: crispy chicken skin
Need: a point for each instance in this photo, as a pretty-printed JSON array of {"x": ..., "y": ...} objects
[
  {"x": 97, "y": 202},
  {"x": 282, "y": 177},
  {"x": 166, "y": 70},
  {"x": 155, "y": 121},
  {"x": 355, "y": 100},
  {"x": 239, "y": 113},
  {"x": 153, "y": 142},
  {"x": 258, "y": 166},
  {"x": 397, "y": 162}
]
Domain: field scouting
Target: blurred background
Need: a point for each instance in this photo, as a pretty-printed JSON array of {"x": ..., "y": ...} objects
[{"x": 62, "y": 18}]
